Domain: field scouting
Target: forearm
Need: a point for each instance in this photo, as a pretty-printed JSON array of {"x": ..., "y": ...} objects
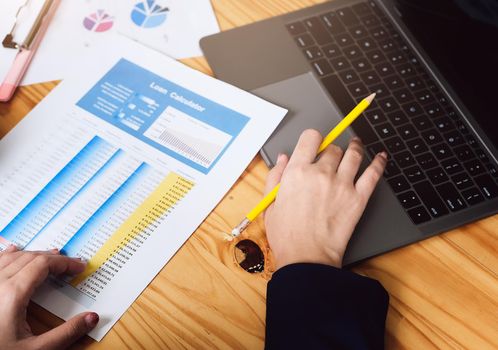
[{"x": 317, "y": 306}]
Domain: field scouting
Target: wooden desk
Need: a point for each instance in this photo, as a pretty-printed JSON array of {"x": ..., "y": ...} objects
[{"x": 444, "y": 291}]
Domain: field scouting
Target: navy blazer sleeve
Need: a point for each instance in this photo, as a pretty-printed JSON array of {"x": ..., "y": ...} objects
[{"x": 312, "y": 306}]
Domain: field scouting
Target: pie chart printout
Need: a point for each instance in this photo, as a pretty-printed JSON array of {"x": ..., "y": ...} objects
[
  {"x": 98, "y": 22},
  {"x": 148, "y": 14}
]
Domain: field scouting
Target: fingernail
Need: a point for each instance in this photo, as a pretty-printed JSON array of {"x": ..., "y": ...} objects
[
  {"x": 356, "y": 138},
  {"x": 91, "y": 320},
  {"x": 383, "y": 154},
  {"x": 280, "y": 157},
  {"x": 81, "y": 260},
  {"x": 54, "y": 251}
]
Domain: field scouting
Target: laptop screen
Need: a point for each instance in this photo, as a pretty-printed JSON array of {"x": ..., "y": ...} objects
[{"x": 461, "y": 37}]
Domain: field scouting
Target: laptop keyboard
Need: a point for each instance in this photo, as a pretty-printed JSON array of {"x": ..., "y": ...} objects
[{"x": 436, "y": 166}]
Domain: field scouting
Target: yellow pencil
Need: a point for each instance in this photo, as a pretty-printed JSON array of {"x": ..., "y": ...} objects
[{"x": 270, "y": 197}]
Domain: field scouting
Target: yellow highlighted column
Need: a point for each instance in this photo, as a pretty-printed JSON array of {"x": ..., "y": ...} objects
[{"x": 169, "y": 192}]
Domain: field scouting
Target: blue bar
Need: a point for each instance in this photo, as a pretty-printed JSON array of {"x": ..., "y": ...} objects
[
  {"x": 35, "y": 209},
  {"x": 85, "y": 233}
]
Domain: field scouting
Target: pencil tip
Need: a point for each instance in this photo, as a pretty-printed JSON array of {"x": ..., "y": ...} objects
[{"x": 370, "y": 97}]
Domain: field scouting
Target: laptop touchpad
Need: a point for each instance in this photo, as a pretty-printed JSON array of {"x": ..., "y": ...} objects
[{"x": 309, "y": 107}]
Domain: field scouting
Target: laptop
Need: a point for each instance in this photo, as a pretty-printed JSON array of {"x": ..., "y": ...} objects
[{"x": 433, "y": 65}]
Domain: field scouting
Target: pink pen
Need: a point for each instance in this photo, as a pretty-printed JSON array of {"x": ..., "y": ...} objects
[{"x": 27, "y": 52}]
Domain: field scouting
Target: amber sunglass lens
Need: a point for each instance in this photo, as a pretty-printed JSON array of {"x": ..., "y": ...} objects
[{"x": 249, "y": 256}]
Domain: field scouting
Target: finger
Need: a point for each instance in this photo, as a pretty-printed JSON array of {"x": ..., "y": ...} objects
[
  {"x": 331, "y": 156},
  {"x": 351, "y": 161},
  {"x": 67, "y": 333},
  {"x": 276, "y": 172},
  {"x": 36, "y": 271},
  {"x": 306, "y": 148},
  {"x": 371, "y": 176},
  {"x": 10, "y": 249},
  {"x": 18, "y": 260}
]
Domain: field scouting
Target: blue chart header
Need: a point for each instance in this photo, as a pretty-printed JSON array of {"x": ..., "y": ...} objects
[{"x": 174, "y": 120}]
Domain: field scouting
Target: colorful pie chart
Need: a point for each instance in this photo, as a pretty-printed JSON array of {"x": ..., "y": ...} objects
[
  {"x": 148, "y": 14},
  {"x": 98, "y": 22}
]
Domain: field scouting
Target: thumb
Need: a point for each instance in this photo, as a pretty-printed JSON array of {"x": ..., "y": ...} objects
[
  {"x": 68, "y": 332},
  {"x": 276, "y": 172}
]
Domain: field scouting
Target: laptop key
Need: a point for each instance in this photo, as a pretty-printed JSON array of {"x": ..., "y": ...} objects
[
  {"x": 318, "y": 31},
  {"x": 474, "y": 167},
  {"x": 312, "y": 53},
  {"x": 442, "y": 151},
  {"x": 375, "y": 56},
  {"x": 412, "y": 109},
  {"x": 375, "y": 116},
  {"x": 481, "y": 155},
  {"x": 403, "y": 95},
  {"x": 444, "y": 124},
  {"x": 304, "y": 40},
  {"x": 380, "y": 89},
  {"x": 464, "y": 153},
  {"x": 492, "y": 170},
  {"x": 487, "y": 186},
  {"x": 296, "y": 28},
  {"x": 462, "y": 181},
  {"x": 349, "y": 76},
  {"x": 452, "y": 166},
  {"x": 451, "y": 197},
  {"x": 417, "y": 146},
  {"x": 378, "y": 33},
  {"x": 408, "y": 199},
  {"x": 404, "y": 159},
  {"x": 388, "y": 104},
  {"x": 364, "y": 131},
  {"x": 424, "y": 97},
  {"x": 370, "y": 21},
  {"x": 414, "y": 84},
  {"x": 426, "y": 161},
  {"x": 397, "y": 117},
  {"x": 384, "y": 69},
  {"x": 430, "y": 198},
  {"x": 391, "y": 169},
  {"x": 385, "y": 130},
  {"x": 394, "y": 144},
  {"x": 414, "y": 174},
  {"x": 332, "y": 23},
  {"x": 437, "y": 175},
  {"x": 399, "y": 184},
  {"x": 370, "y": 78},
  {"x": 340, "y": 95},
  {"x": 431, "y": 137},
  {"x": 471, "y": 141},
  {"x": 358, "y": 89},
  {"x": 347, "y": 16},
  {"x": 332, "y": 51},
  {"x": 344, "y": 39},
  {"x": 393, "y": 82},
  {"x": 358, "y": 32},
  {"x": 462, "y": 127},
  {"x": 419, "y": 215},
  {"x": 322, "y": 67},
  {"x": 434, "y": 110},
  {"x": 361, "y": 64},
  {"x": 367, "y": 44},
  {"x": 340, "y": 63},
  {"x": 407, "y": 131},
  {"x": 454, "y": 138},
  {"x": 352, "y": 52},
  {"x": 361, "y": 9},
  {"x": 406, "y": 70},
  {"x": 472, "y": 196}
]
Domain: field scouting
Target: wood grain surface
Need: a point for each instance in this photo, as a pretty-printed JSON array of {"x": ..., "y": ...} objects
[{"x": 443, "y": 291}]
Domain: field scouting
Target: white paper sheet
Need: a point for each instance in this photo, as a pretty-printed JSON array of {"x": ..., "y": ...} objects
[
  {"x": 80, "y": 26},
  {"x": 119, "y": 165},
  {"x": 173, "y": 27}
]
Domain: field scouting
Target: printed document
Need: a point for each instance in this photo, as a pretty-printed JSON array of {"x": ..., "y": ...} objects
[
  {"x": 119, "y": 165},
  {"x": 172, "y": 27}
]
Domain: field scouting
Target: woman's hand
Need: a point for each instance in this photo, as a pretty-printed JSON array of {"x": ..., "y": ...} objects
[
  {"x": 319, "y": 203},
  {"x": 20, "y": 274}
]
